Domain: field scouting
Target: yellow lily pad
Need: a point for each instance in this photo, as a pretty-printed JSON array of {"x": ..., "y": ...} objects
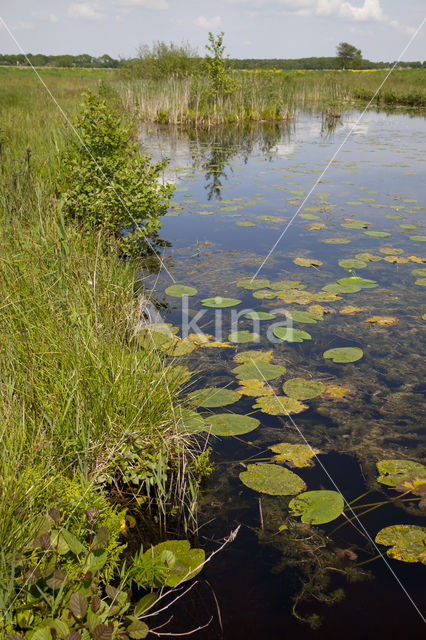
[
  {"x": 279, "y": 405},
  {"x": 295, "y": 455}
]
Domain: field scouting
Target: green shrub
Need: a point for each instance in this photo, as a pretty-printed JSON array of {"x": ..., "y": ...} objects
[{"x": 107, "y": 184}]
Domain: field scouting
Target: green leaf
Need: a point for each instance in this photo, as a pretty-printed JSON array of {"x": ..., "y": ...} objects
[
  {"x": 146, "y": 602},
  {"x": 180, "y": 290},
  {"x": 74, "y": 544},
  {"x": 291, "y": 335},
  {"x": 230, "y": 424},
  {"x": 96, "y": 561},
  {"x": 271, "y": 479},
  {"x": 56, "y": 579},
  {"x": 303, "y": 389},
  {"x": 259, "y": 315},
  {"x": 408, "y": 542},
  {"x": 138, "y": 629},
  {"x": 78, "y": 605},
  {"x": 279, "y": 405},
  {"x": 377, "y": 234},
  {"x": 304, "y": 316},
  {"x": 101, "y": 538},
  {"x": 259, "y": 370},
  {"x": 42, "y": 634},
  {"x": 296, "y": 455},
  {"x": 344, "y": 354},
  {"x": 220, "y": 303},
  {"x": 61, "y": 627},
  {"x": 188, "y": 564},
  {"x": 363, "y": 283},
  {"x": 393, "y": 472},
  {"x": 317, "y": 507},
  {"x": 103, "y": 632},
  {"x": 243, "y": 336},
  {"x": 213, "y": 397},
  {"x": 352, "y": 264},
  {"x": 418, "y": 238}
]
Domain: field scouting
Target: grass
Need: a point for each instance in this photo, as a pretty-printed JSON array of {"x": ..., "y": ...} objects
[
  {"x": 267, "y": 96},
  {"x": 76, "y": 391}
]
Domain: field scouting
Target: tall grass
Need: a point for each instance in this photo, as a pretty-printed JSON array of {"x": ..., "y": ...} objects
[
  {"x": 266, "y": 95},
  {"x": 75, "y": 389}
]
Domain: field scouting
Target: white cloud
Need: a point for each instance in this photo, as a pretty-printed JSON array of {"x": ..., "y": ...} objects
[
  {"x": 370, "y": 10},
  {"x": 208, "y": 23},
  {"x": 157, "y": 5},
  {"x": 85, "y": 10},
  {"x": 45, "y": 16}
]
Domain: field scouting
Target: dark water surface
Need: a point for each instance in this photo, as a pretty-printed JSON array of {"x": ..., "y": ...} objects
[{"x": 237, "y": 177}]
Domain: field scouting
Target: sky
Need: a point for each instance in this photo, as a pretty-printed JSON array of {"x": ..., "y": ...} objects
[{"x": 253, "y": 28}]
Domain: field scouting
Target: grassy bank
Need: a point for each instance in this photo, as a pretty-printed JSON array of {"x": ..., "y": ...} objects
[
  {"x": 80, "y": 401},
  {"x": 267, "y": 95}
]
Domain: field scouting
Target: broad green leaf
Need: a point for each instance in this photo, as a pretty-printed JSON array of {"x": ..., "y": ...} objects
[
  {"x": 220, "y": 303},
  {"x": 377, "y": 234},
  {"x": 137, "y": 630},
  {"x": 279, "y": 405},
  {"x": 213, "y": 397},
  {"x": 260, "y": 315},
  {"x": 230, "y": 424},
  {"x": 272, "y": 479},
  {"x": 344, "y": 354},
  {"x": 304, "y": 316},
  {"x": 303, "y": 389},
  {"x": 248, "y": 356},
  {"x": 317, "y": 507},
  {"x": 146, "y": 602},
  {"x": 393, "y": 472},
  {"x": 408, "y": 542},
  {"x": 188, "y": 563},
  {"x": 418, "y": 238},
  {"x": 352, "y": 264},
  {"x": 295, "y": 455},
  {"x": 291, "y": 335},
  {"x": 258, "y": 369},
  {"x": 180, "y": 290},
  {"x": 242, "y": 337}
]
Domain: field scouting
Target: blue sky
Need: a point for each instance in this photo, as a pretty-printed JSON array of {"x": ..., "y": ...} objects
[{"x": 253, "y": 28}]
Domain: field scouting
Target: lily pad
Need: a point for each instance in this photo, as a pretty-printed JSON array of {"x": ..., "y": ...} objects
[
  {"x": 352, "y": 264},
  {"x": 182, "y": 562},
  {"x": 220, "y": 303},
  {"x": 213, "y": 397},
  {"x": 253, "y": 283},
  {"x": 230, "y": 424},
  {"x": 260, "y": 315},
  {"x": 241, "y": 337},
  {"x": 317, "y": 507},
  {"x": 291, "y": 335},
  {"x": 178, "y": 347},
  {"x": 191, "y": 421},
  {"x": 377, "y": 234},
  {"x": 296, "y": 455},
  {"x": 254, "y": 388},
  {"x": 382, "y": 321},
  {"x": 180, "y": 290},
  {"x": 368, "y": 257},
  {"x": 247, "y": 356},
  {"x": 408, "y": 542},
  {"x": 336, "y": 240},
  {"x": 307, "y": 317},
  {"x": 420, "y": 282},
  {"x": 279, "y": 405},
  {"x": 271, "y": 479},
  {"x": 303, "y": 389},
  {"x": 363, "y": 283},
  {"x": 418, "y": 238},
  {"x": 393, "y": 472},
  {"x": 258, "y": 369},
  {"x": 307, "y": 262},
  {"x": 344, "y": 354},
  {"x": 356, "y": 224}
]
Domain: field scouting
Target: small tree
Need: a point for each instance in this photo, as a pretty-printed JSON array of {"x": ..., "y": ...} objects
[
  {"x": 348, "y": 56},
  {"x": 215, "y": 62}
]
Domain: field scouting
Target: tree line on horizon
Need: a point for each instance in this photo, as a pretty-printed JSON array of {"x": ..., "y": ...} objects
[{"x": 170, "y": 54}]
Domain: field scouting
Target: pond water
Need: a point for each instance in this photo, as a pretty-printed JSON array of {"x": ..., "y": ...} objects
[{"x": 237, "y": 190}]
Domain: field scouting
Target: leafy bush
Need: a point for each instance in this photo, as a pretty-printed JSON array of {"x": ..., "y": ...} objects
[{"x": 107, "y": 184}]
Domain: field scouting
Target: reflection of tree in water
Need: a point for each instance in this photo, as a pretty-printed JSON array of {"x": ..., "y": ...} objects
[{"x": 213, "y": 151}]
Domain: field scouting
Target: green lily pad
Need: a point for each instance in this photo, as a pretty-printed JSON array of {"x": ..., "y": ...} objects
[
  {"x": 178, "y": 347},
  {"x": 191, "y": 421},
  {"x": 180, "y": 290},
  {"x": 259, "y": 370},
  {"x": 420, "y": 282},
  {"x": 254, "y": 283},
  {"x": 281, "y": 285},
  {"x": 363, "y": 283},
  {"x": 317, "y": 507},
  {"x": 220, "y": 303},
  {"x": 304, "y": 316},
  {"x": 248, "y": 356},
  {"x": 336, "y": 240},
  {"x": 377, "y": 234},
  {"x": 213, "y": 397},
  {"x": 348, "y": 287},
  {"x": 296, "y": 455},
  {"x": 393, "y": 472},
  {"x": 344, "y": 354},
  {"x": 352, "y": 264},
  {"x": 418, "y": 238},
  {"x": 230, "y": 424},
  {"x": 260, "y": 315},
  {"x": 279, "y": 405},
  {"x": 241, "y": 337},
  {"x": 408, "y": 542},
  {"x": 368, "y": 257},
  {"x": 303, "y": 389},
  {"x": 356, "y": 224},
  {"x": 291, "y": 335},
  {"x": 271, "y": 479},
  {"x": 264, "y": 294},
  {"x": 182, "y": 562}
]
